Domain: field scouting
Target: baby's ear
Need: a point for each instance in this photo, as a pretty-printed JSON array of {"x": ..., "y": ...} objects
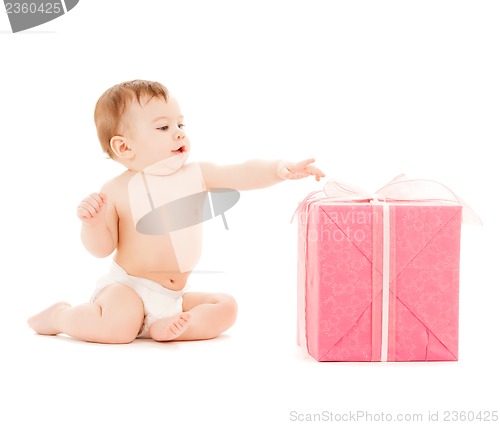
[{"x": 120, "y": 147}]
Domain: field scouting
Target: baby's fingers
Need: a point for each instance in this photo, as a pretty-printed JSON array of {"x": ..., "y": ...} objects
[
  {"x": 83, "y": 212},
  {"x": 86, "y": 210},
  {"x": 91, "y": 205},
  {"x": 96, "y": 199},
  {"x": 314, "y": 171},
  {"x": 305, "y": 162}
]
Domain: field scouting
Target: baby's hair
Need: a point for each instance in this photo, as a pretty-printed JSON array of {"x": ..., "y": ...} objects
[{"x": 112, "y": 104}]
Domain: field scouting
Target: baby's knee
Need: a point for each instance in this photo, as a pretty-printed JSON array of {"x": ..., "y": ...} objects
[
  {"x": 228, "y": 306},
  {"x": 122, "y": 314}
]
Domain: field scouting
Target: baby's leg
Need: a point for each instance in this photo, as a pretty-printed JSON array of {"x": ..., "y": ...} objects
[
  {"x": 116, "y": 316},
  {"x": 211, "y": 314}
]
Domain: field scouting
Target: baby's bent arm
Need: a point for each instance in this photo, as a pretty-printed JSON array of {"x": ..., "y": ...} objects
[
  {"x": 100, "y": 237},
  {"x": 253, "y": 174}
]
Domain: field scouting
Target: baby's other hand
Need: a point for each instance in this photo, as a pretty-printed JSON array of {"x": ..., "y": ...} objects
[
  {"x": 91, "y": 210},
  {"x": 299, "y": 170}
]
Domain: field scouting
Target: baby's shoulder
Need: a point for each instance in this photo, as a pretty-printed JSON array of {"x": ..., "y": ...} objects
[{"x": 117, "y": 185}]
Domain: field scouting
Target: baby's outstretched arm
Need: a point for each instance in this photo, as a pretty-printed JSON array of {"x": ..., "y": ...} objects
[
  {"x": 256, "y": 174},
  {"x": 99, "y": 235}
]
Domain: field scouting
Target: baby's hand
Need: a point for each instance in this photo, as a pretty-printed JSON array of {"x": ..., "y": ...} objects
[
  {"x": 91, "y": 209},
  {"x": 299, "y": 170}
]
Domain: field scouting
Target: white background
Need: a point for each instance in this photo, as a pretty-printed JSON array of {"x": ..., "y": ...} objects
[{"x": 369, "y": 89}]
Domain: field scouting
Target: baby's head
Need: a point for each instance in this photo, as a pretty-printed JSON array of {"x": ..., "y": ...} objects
[{"x": 138, "y": 123}]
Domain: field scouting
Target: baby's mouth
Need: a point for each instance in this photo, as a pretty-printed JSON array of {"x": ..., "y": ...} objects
[{"x": 181, "y": 149}]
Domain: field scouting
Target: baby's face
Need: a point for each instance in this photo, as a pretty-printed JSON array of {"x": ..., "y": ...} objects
[{"x": 155, "y": 131}]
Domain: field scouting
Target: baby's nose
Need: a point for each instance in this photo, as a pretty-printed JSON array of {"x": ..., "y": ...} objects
[{"x": 180, "y": 134}]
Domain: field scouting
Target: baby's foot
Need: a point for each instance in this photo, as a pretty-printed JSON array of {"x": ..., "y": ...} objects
[
  {"x": 44, "y": 322},
  {"x": 169, "y": 328}
]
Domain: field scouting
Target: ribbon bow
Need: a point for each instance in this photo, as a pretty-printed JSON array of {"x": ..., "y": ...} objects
[{"x": 401, "y": 189}]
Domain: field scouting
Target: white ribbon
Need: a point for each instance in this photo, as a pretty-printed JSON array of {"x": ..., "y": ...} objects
[{"x": 384, "y": 349}]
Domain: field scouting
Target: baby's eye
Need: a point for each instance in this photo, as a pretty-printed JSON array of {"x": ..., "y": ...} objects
[
  {"x": 163, "y": 128},
  {"x": 181, "y": 126}
]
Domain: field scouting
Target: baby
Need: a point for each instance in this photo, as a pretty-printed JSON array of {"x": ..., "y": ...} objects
[{"x": 140, "y": 125}]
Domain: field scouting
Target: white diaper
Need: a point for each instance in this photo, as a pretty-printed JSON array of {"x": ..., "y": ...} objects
[{"x": 159, "y": 302}]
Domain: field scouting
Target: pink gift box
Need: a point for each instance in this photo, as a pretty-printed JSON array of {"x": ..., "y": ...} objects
[{"x": 378, "y": 281}]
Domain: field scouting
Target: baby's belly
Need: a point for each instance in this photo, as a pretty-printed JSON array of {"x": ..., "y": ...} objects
[
  {"x": 168, "y": 279},
  {"x": 159, "y": 258}
]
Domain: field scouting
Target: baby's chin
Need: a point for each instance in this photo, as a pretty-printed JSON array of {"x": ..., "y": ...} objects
[
  {"x": 168, "y": 165},
  {"x": 179, "y": 155}
]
